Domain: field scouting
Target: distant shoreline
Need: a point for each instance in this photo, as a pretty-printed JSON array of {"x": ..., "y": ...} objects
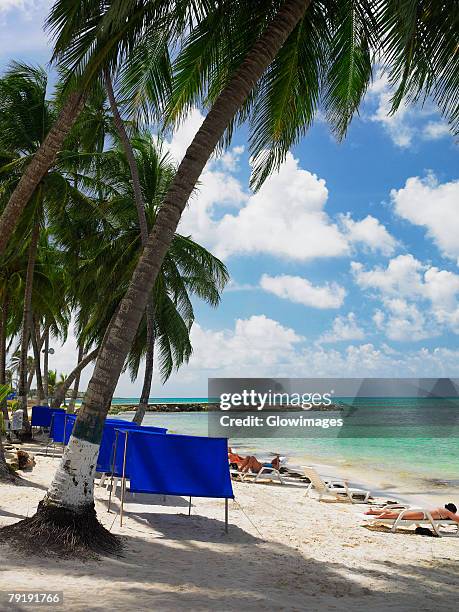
[
  {"x": 198, "y": 406},
  {"x": 162, "y": 407}
]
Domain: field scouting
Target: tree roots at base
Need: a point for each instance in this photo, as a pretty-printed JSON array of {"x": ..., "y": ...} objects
[{"x": 58, "y": 531}]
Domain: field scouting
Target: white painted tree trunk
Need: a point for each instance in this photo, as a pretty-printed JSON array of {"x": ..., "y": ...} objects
[{"x": 73, "y": 483}]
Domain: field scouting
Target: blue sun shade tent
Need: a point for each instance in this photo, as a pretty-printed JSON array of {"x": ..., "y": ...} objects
[
  {"x": 41, "y": 415},
  {"x": 62, "y": 426},
  {"x": 105, "y": 458},
  {"x": 178, "y": 465}
]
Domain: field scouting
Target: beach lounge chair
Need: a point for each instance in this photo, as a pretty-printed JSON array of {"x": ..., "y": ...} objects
[
  {"x": 400, "y": 521},
  {"x": 267, "y": 472},
  {"x": 335, "y": 487}
]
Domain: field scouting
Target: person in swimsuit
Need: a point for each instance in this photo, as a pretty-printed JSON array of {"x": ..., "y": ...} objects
[
  {"x": 234, "y": 459},
  {"x": 251, "y": 463},
  {"x": 449, "y": 512}
]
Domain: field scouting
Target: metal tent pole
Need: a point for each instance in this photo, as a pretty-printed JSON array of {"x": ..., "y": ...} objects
[
  {"x": 226, "y": 515},
  {"x": 189, "y": 507},
  {"x": 113, "y": 471},
  {"x": 65, "y": 431},
  {"x": 123, "y": 481}
]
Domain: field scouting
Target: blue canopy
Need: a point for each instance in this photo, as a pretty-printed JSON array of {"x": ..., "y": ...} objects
[
  {"x": 178, "y": 465},
  {"x": 105, "y": 458},
  {"x": 62, "y": 426},
  {"x": 41, "y": 415}
]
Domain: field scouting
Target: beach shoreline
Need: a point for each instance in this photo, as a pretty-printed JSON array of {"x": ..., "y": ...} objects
[{"x": 412, "y": 487}]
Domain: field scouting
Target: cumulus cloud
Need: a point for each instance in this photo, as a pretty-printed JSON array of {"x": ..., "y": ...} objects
[
  {"x": 370, "y": 233},
  {"x": 434, "y": 130},
  {"x": 401, "y": 276},
  {"x": 265, "y": 347},
  {"x": 403, "y": 321},
  {"x": 184, "y": 134},
  {"x": 286, "y": 218},
  {"x": 343, "y": 329},
  {"x": 434, "y": 206},
  {"x": 408, "y": 123},
  {"x": 420, "y": 301},
  {"x": 301, "y": 291}
]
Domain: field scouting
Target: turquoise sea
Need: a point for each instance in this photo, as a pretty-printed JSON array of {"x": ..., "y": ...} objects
[{"x": 421, "y": 455}]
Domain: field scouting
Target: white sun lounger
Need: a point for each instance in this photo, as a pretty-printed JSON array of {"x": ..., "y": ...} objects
[
  {"x": 333, "y": 487},
  {"x": 267, "y": 472},
  {"x": 400, "y": 521}
]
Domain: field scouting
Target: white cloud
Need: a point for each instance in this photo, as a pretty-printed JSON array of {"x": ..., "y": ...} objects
[
  {"x": 434, "y": 130},
  {"x": 184, "y": 134},
  {"x": 23, "y": 36},
  {"x": 402, "y": 276},
  {"x": 432, "y": 205},
  {"x": 257, "y": 342},
  {"x": 370, "y": 233},
  {"x": 266, "y": 348},
  {"x": 408, "y": 122},
  {"x": 286, "y": 218},
  {"x": 419, "y": 300},
  {"x": 403, "y": 321},
  {"x": 7, "y": 5},
  {"x": 301, "y": 291},
  {"x": 343, "y": 329}
]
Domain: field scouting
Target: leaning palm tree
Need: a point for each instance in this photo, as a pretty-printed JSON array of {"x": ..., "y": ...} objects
[
  {"x": 188, "y": 269},
  {"x": 343, "y": 46}
]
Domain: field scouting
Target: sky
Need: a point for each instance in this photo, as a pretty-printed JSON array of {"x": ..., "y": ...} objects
[{"x": 345, "y": 263}]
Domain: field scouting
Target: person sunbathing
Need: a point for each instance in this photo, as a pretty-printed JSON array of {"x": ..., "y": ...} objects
[
  {"x": 251, "y": 463},
  {"x": 449, "y": 512},
  {"x": 234, "y": 459}
]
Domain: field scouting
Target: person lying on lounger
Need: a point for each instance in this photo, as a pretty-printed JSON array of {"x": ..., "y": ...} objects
[
  {"x": 449, "y": 512},
  {"x": 251, "y": 463},
  {"x": 234, "y": 459}
]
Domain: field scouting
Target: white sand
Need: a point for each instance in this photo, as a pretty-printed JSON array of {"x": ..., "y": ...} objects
[{"x": 293, "y": 554}]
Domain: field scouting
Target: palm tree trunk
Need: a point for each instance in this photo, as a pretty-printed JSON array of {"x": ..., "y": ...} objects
[
  {"x": 45, "y": 365},
  {"x": 40, "y": 341},
  {"x": 76, "y": 386},
  {"x": 27, "y": 322},
  {"x": 70, "y": 497},
  {"x": 36, "y": 353},
  {"x": 3, "y": 331},
  {"x": 129, "y": 152},
  {"x": 38, "y": 167},
  {"x": 5, "y": 474},
  {"x": 148, "y": 376},
  {"x": 142, "y": 218},
  {"x": 62, "y": 388}
]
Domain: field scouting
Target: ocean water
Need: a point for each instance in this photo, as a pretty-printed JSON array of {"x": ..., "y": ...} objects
[
  {"x": 116, "y": 401},
  {"x": 421, "y": 455}
]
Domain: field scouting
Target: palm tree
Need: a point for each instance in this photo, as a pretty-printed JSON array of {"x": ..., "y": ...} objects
[
  {"x": 232, "y": 97},
  {"x": 188, "y": 269},
  {"x": 142, "y": 221}
]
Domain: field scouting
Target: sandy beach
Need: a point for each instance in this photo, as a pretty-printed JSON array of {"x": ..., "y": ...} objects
[{"x": 283, "y": 551}]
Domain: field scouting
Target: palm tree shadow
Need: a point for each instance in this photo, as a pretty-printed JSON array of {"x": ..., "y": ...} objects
[{"x": 11, "y": 514}]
